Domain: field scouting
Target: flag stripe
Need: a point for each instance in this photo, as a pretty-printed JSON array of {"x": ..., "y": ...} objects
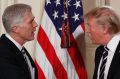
[
  {"x": 40, "y": 72},
  {"x": 51, "y": 55},
  {"x": 82, "y": 25},
  {"x": 44, "y": 63},
  {"x": 79, "y": 30}
]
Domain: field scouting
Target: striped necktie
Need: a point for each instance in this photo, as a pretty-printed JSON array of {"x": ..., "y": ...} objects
[
  {"x": 103, "y": 63},
  {"x": 25, "y": 56},
  {"x": 31, "y": 70}
]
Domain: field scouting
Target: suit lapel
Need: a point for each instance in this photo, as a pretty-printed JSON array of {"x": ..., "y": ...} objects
[
  {"x": 17, "y": 53},
  {"x": 98, "y": 55},
  {"x": 115, "y": 63}
]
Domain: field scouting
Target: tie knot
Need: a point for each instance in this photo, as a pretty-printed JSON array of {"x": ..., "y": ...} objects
[
  {"x": 106, "y": 48},
  {"x": 23, "y": 50},
  {"x": 105, "y": 53}
]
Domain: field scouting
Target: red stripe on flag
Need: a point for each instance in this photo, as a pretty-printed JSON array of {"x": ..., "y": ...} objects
[
  {"x": 83, "y": 27},
  {"x": 40, "y": 72},
  {"x": 77, "y": 59},
  {"x": 51, "y": 55}
]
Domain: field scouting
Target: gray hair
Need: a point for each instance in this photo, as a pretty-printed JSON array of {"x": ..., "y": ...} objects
[
  {"x": 13, "y": 15},
  {"x": 107, "y": 17}
]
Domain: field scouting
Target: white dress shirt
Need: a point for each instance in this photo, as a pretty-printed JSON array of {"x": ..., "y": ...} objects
[{"x": 112, "y": 45}]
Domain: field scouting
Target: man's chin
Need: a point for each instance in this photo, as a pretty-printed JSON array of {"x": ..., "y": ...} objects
[
  {"x": 31, "y": 39},
  {"x": 93, "y": 42}
]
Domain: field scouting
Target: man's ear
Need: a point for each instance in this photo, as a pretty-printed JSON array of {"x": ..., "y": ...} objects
[
  {"x": 106, "y": 30},
  {"x": 15, "y": 29}
]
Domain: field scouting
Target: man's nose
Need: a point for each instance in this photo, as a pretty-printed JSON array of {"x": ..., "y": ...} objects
[{"x": 35, "y": 24}]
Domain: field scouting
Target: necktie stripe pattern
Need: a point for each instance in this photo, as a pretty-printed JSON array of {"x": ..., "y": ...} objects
[
  {"x": 104, "y": 60},
  {"x": 24, "y": 54},
  {"x": 31, "y": 70}
]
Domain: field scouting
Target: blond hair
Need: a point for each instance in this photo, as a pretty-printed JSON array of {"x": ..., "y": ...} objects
[{"x": 105, "y": 16}]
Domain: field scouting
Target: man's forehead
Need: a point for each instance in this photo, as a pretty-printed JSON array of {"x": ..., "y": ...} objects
[{"x": 28, "y": 15}]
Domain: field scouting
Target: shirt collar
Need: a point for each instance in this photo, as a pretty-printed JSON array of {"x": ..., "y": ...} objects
[
  {"x": 112, "y": 45},
  {"x": 15, "y": 42}
]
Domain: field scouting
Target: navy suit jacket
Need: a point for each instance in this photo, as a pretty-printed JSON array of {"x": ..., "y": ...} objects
[
  {"x": 114, "y": 70},
  {"x": 12, "y": 63}
]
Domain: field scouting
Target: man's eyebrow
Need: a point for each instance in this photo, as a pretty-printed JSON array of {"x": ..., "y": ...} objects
[{"x": 32, "y": 19}]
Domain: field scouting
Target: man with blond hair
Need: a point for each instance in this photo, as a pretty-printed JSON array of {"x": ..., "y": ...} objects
[{"x": 103, "y": 27}]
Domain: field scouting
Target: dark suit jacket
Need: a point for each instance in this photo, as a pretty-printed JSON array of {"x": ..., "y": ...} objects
[
  {"x": 114, "y": 70},
  {"x": 12, "y": 63}
]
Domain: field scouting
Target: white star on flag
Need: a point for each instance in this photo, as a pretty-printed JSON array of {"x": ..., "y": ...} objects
[
  {"x": 57, "y": 2},
  {"x": 48, "y": 2},
  {"x": 55, "y": 15},
  {"x": 64, "y": 16},
  {"x": 69, "y": 3},
  {"x": 76, "y": 16},
  {"x": 77, "y": 4}
]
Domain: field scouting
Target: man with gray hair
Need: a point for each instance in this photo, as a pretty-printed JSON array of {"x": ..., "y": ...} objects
[
  {"x": 103, "y": 26},
  {"x": 15, "y": 61}
]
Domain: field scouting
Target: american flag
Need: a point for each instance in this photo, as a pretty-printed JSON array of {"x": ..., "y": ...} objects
[{"x": 53, "y": 60}]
